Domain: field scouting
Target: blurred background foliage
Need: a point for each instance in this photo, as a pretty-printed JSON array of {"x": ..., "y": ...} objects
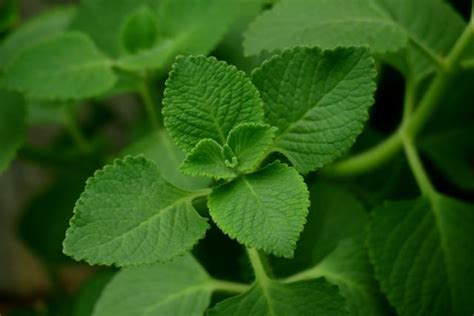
[{"x": 38, "y": 191}]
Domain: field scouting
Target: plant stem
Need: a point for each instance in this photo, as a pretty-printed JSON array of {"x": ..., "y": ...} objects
[
  {"x": 150, "y": 106},
  {"x": 230, "y": 287},
  {"x": 258, "y": 266},
  {"x": 417, "y": 168},
  {"x": 75, "y": 131},
  {"x": 412, "y": 123}
]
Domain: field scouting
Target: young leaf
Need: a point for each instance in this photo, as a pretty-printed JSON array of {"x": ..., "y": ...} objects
[
  {"x": 207, "y": 159},
  {"x": 129, "y": 215},
  {"x": 12, "y": 127},
  {"x": 206, "y": 98},
  {"x": 179, "y": 288},
  {"x": 318, "y": 100},
  {"x": 266, "y": 210},
  {"x": 159, "y": 148},
  {"x": 315, "y": 297},
  {"x": 44, "y": 26},
  {"x": 249, "y": 143},
  {"x": 423, "y": 254},
  {"x": 139, "y": 31},
  {"x": 68, "y": 66}
]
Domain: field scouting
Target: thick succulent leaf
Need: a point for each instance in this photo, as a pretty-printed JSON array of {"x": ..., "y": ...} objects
[
  {"x": 179, "y": 288},
  {"x": 49, "y": 24},
  {"x": 128, "y": 215},
  {"x": 12, "y": 126},
  {"x": 326, "y": 24},
  {"x": 140, "y": 30},
  {"x": 426, "y": 27},
  {"x": 249, "y": 143},
  {"x": 318, "y": 100},
  {"x": 304, "y": 298},
  {"x": 207, "y": 159},
  {"x": 206, "y": 98},
  {"x": 266, "y": 210},
  {"x": 423, "y": 254},
  {"x": 159, "y": 148},
  {"x": 68, "y": 66}
]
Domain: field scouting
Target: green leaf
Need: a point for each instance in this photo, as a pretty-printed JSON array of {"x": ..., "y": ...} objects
[
  {"x": 159, "y": 148},
  {"x": 423, "y": 254},
  {"x": 207, "y": 159},
  {"x": 249, "y": 143},
  {"x": 266, "y": 210},
  {"x": 320, "y": 113},
  {"x": 179, "y": 288},
  {"x": 332, "y": 245},
  {"x": 12, "y": 127},
  {"x": 206, "y": 98},
  {"x": 102, "y": 20},
  {"x": 326, "y": 24},
  {"x": 315, "y": 297},
  {"x": 8, "y": 14},
  {"x": 44, "y": 26},
  {"x": 68, "y": 66},
  {"x": 140, "y": 30},
  {"x": 128, "y": 214},
  {"x": 383, "y": 25},
  {"x": 89, "y": 293}
]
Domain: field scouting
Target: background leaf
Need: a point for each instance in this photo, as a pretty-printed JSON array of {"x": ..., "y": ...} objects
[
  {"x": 68, "y": 66},
  {"x": 179, "y": 287},
  {"x": 422, "y": 251},
  {"x": 12, "y": 127}
]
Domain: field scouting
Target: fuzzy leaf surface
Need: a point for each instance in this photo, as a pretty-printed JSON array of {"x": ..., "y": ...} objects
[
  {"x": 179, "y": 288},
  {"x": 12, "y": 127},
  {"x": 39, "y": 28},
  {"x": 128, "y": 215},
  {"x": 207, "y": 159},
  {"x": 206, "y": 98},
  {"x": 249, "y": 143},
  {"x": 266, "y": 210},
  {"x": 68, "y": 66},
  {"x": 423, "y": 254},
  {"x": 319, "y": 100},
  {"x": 305, "y": 298}
]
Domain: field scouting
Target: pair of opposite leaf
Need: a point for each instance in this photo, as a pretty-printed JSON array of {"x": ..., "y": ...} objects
[{"x": 305, "y": 103}]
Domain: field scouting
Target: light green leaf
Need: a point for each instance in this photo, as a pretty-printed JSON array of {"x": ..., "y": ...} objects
[
  {"x": 102, "y": 20},
  {"x": 326, "y": 24},
  {"x": 139, "y": 31},
  {"x": 12, "y": 127},
  {"x": 383, "y": 25},
  {"x": 206, "y": 98},
  {"x": 266, "y": 210},
  {"x": 249, "y": 143},
  {"x": 68, "y": 66},
  {"x": 179, "y": 288},
  {"x": 128, "y": 215},
  {"x": 320, "y": 113},
  {"x": 423, "y": 254},
  {"x": 207, "y": 159},
  {"x": 305, "y": 298},
  {"x": 159, "y": 148},
  {"x": 47, "y": 25}
]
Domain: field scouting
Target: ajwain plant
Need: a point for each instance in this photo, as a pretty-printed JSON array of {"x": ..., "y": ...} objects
[{"x": 263, "y": 158}]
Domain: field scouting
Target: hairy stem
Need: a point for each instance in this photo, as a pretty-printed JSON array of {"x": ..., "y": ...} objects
[
  {"x": 150, "y": 105},
  {"x": 75, "y": 131},
  {"x": 229, "y": 287},
  {"x": 258, "y": 266}
]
